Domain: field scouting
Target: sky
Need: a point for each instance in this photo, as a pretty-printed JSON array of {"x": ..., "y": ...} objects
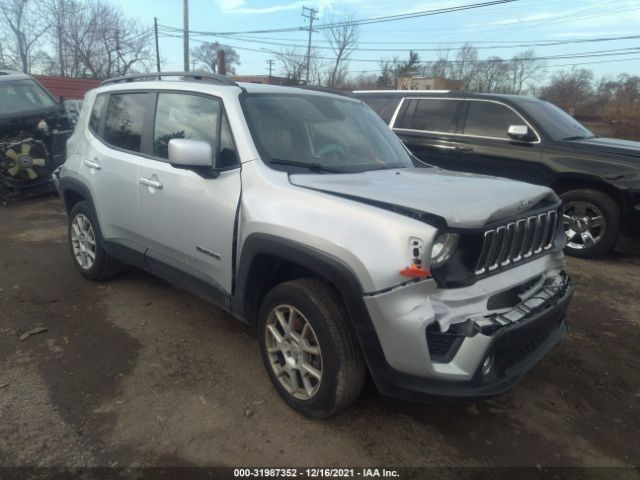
[{"x": 498, "y": 29}]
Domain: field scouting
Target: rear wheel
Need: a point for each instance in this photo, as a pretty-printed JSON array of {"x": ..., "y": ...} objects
[
  {"x": 307, "y": 348},
  {"x": 89, "y": 256},
  {"x": 591, "y": 221}
]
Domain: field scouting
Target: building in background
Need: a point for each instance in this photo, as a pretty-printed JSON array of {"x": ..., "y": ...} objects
[
  {"x": 424, "y": 83},
  {"x": 67, "y": 88}
]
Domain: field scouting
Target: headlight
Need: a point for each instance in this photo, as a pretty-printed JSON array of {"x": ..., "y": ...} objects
[{"x": 444, "y": 246}]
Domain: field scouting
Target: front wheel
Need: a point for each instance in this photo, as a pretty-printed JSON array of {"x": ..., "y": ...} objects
[
  {"x": 591, "y": 221},
  {"x": 307, "y": 348}
]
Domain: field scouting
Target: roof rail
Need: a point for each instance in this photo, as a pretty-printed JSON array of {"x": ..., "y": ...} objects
[{"x": 221, "y": 79}]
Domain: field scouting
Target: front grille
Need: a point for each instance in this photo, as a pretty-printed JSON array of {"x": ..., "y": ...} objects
[{"x": 516, "y": 241}]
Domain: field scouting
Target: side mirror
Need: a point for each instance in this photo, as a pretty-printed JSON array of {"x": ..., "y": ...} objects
[
  {"x": 520, "y": 132},
  {"x": 190, "y": 153}
]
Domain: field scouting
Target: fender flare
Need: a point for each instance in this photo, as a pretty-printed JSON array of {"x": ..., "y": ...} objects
[{"x": 329, "y": 267}]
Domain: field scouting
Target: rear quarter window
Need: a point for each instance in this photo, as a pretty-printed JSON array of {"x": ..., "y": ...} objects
[
  {"x": 97, "y": 112},
  {"x": 384, "y": 106}
]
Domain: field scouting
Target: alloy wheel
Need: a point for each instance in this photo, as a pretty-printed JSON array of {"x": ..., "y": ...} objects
[
  {"x": 294, "y": 352},
  {"x": 83, "y": 241},
  {"x": 584, "y": 224}
]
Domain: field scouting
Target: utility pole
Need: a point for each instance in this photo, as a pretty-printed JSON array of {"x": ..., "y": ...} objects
[
  {"x": 155, "y": 29},
  {"x": 117, "y": 52},
  {"x": 185, "y": 8},
  {"x": 309, "y": 13},
  {"x": 270, "y": 62},
  {"x": 61, "y": 15}
]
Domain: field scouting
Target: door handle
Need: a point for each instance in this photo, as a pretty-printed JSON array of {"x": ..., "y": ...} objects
[
  {"x": 149, "y": 182},
  {"x": 464, "y": 148},
  {"x": 95, "y": 164}
]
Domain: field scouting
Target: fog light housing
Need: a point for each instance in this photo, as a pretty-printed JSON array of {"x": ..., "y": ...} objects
[{"x": 487, "y": 365}]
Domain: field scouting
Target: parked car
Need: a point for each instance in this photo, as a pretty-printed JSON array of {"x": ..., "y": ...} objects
[
  {"x": 301, "y": 213},
  {"x": 33, "y": 132},
  {"x": 526, "y": 139}
]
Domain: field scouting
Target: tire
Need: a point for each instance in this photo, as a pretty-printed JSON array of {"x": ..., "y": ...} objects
[
  {"x": 339, "y": 362},
  {"x": 581, "y": 209},
  {"x": 82, "y": 231}
]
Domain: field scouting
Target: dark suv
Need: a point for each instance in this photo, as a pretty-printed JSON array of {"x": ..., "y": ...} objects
[
  {"x": 33, "y": 131},
  {"x": 527, "y": 139}
]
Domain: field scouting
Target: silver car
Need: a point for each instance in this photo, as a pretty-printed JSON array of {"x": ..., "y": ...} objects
[{"x": 301, "y": 213}]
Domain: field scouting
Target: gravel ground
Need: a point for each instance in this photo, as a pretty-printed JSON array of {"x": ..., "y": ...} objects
[{"x": 137, "y": 372}]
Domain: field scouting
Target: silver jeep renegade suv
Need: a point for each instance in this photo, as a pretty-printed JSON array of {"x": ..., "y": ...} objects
[{"x": 301, "y": 213}]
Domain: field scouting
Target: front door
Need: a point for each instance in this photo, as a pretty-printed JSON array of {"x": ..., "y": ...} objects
[
  {"x": 490, "y": 151},
  {"x": 188, "y": 217}
]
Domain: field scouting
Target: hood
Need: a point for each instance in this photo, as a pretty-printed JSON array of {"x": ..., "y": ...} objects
[
  {"x": 610, "y": 145},
  {"x": 464, "y": 200}
]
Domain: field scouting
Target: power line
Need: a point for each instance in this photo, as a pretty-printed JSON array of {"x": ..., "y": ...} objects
[
  {"x": 443, "y": 48},
  {"x": 596, "y": 53},
  {"x": 387, "y": 18}
]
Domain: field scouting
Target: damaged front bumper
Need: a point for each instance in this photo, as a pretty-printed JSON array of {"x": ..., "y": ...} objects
[{"x": 476, "y": 341}]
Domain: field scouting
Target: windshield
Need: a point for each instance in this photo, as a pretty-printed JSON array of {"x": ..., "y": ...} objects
[
  {"x": 322, "y": 133},
  {"x": 558, "y": 124},
  {"x": 23, "y": 96}
]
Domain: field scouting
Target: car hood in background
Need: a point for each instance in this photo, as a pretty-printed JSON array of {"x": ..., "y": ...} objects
[
  {"x": 464, "y": 200},
  {"x": 609, "y": 145}
]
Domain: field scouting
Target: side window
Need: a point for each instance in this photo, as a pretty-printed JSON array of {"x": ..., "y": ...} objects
[
  {"x": 180, "y": 115},
  {"x": 434, "y": 115},
  {"x": 96, "y": 113},
  {"x": 125, "y": 115},
  {"x": 385, "y": 107},
  {"x": 488, "y": 119}
]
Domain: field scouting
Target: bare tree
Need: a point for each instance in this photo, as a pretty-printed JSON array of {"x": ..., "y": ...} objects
[
  {"x": 25, "y": 23},
  {"x": 524, "y": 68},
  {"x": 101, "y": 43},
  {"x": 569, "y": 89},
  {"x": 207, "y": 56},
  {"x": 465, "y": 65},
  {"x": 491, "y": 76},
  {"x": 294, "y": 66},
  {"x": 343, "y": 39}
]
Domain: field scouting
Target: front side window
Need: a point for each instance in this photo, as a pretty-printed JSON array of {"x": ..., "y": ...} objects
[
  {"x": 180, "y": 115},
  {"x": 322, "y": 132},
  {"x": 23, "y": 96},
  {"x": 489, "y": 119},
  {"x": 433, "y": 115},
  {"x": 123, "y": 124}
]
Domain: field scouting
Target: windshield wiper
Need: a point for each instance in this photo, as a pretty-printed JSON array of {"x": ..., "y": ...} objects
[{"x": 314, "y": 167}]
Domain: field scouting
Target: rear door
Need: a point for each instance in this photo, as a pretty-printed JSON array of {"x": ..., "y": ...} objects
[
  {"x": 489, "y": 149},
  {"x": 427, "y": 126},
  {"x": 110, "y": 162},
  {"x": 188, "y": 219}
]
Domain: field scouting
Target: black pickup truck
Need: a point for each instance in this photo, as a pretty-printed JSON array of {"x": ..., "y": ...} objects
[
  {"x": 33, "y": 131},
  {"x": 527, "y": 139}
]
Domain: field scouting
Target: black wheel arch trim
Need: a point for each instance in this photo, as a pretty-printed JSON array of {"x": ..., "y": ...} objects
[{"x": 333, "y": 269}]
